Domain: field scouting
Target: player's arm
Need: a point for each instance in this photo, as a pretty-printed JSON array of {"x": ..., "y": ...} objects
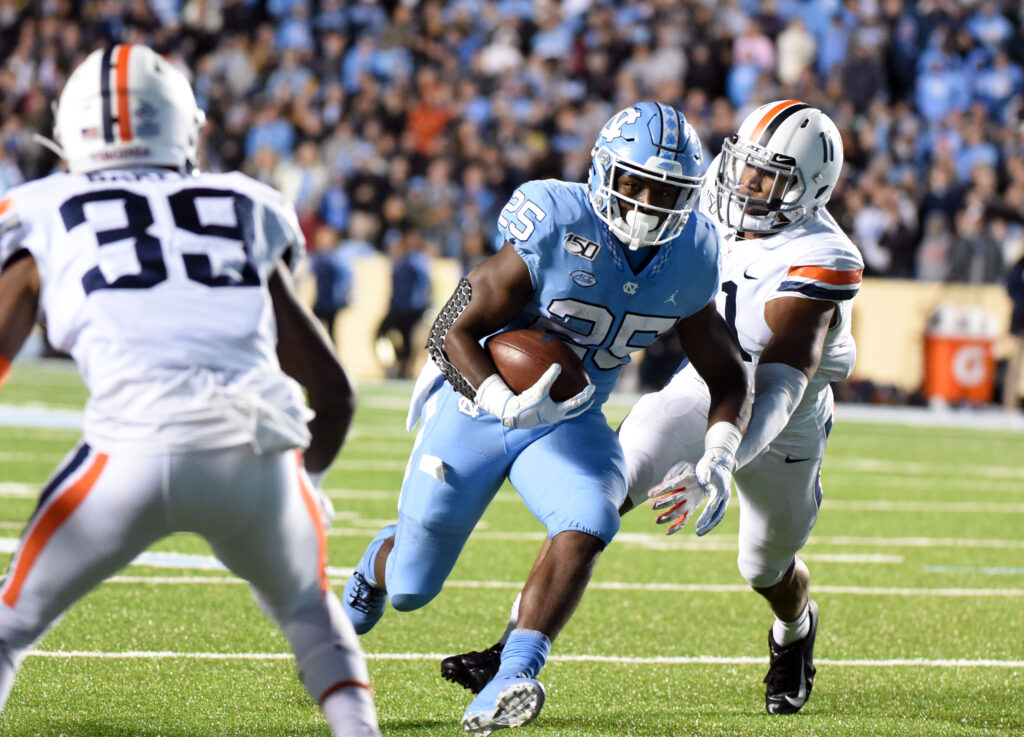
[
  {"x": 489, "y": 297},
  {"x": 799, "y": 327},
  {"x": 715, "y": 354},
  {"x": 307, "y": 356},
  {"x": 485, "y": 301},
  {"x": 19, "y": 300}
]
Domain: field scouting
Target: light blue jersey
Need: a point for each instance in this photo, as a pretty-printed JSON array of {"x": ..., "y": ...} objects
[
  {"x": 584, "y": 288},
  {"x": 571, "y": 475}
]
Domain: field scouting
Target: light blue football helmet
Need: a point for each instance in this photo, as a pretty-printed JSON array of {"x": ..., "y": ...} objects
[{"x": 651, "y": 140}]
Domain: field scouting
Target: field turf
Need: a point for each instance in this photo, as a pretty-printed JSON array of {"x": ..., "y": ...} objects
[{"x": 917, "y": 564}]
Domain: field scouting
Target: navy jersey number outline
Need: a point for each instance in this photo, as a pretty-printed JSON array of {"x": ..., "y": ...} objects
[{"x": 148, "y": 251}]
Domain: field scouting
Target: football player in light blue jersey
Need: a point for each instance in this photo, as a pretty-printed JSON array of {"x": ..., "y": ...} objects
[{"x": 606, "y": 266}]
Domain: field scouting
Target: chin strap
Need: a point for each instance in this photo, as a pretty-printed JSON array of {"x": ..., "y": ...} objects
[{"x": 48, "y": 143}]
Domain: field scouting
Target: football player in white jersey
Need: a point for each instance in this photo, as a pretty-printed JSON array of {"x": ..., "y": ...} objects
[
  {"x": 170, "y": 289},
  {"x": 789, "y": 275}
]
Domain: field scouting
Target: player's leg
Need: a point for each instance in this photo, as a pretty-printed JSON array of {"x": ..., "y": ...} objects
[
  {"x": 779, "y": 503},
  {"x": 583, "y": 459},
  {"x": 263, "y": 521},
  {"x": 457, "y": 465},
  {"x": 95, "y": 514},
  {"x": 662, "y": 428}
]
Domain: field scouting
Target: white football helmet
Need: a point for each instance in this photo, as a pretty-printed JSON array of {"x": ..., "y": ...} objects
[
  {"x": 779, "y": 169},
  {"x": 127, "y": 106}
]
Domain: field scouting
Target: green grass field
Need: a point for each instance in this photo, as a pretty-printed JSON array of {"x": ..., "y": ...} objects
[{"x": 917, "y": 564}]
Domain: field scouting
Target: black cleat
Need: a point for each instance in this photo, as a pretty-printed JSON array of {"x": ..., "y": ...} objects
[
  {"x": 473, "y": 670},
  {"x": 791, "y": 670}
]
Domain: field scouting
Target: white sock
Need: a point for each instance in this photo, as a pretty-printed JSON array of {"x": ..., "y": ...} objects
[
  {"x": 787, "y": 632},
  {"x": 349, "y": 712},
  {"x": 513, "y": 619}
]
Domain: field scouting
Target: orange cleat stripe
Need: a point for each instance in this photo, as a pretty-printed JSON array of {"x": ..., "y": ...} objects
[
  {"x": 48, "y": 524},
  {"x": 124, "y": 120},
  {"x": 6, "y": 204},
  {"x": 318, "y": 523},
  {"x": 829, "y": 276}
]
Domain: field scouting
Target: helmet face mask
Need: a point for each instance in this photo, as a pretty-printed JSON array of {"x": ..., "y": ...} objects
[
  {"x": 779, "y": 169},
  {"x": 127, "y": 106},
  {"x": 653, "y": 143}
]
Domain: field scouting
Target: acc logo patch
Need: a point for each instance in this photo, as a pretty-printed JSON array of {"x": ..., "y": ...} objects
[
  {"x": 577, "y": 245},
  {"x": 583, "y": 278}
]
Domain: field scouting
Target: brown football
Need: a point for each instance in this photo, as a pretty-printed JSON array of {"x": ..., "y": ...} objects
[{"x": 522, "y": 356}]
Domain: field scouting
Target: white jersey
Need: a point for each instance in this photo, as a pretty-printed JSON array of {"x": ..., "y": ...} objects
[
  {"x": 156, "y": 283},
  {"x": 813, "y": 260}
]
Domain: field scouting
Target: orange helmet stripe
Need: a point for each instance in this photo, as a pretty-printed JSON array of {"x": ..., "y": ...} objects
[
  {"x": 756, "y": 133},
  {"x": 124, "y": 121}
]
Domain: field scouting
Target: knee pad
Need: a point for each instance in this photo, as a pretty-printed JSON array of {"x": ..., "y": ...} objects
[
  {"x": 325, "y": 646},
  {"x": 419, "y": 563},
  {"x": 409, "y": 602},
  {"x": 761, "y": 572}
]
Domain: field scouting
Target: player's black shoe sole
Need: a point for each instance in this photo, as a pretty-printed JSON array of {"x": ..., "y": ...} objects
[
  {"x": 791, "y": 670},
  {"x": 473, "y": 670}
]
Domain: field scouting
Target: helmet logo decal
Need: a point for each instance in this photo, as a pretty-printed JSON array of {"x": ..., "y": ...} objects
[
  {"x": 613, "y": 128},
  {"x": 148, "y": 119}
]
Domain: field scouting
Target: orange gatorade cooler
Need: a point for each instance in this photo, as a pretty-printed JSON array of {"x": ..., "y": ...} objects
[{"x": 959, "y": 357}]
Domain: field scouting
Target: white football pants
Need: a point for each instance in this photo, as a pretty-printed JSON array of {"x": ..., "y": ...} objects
[
  {"x": 779, "y": 491},
  {"x": 257, "y": 512}
]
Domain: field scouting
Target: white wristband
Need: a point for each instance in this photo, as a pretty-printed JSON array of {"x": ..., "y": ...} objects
[
  {"x": 778, "y": 389},
  {"x": 492, "y": 395},
  {"x": 724, "y": 436}
]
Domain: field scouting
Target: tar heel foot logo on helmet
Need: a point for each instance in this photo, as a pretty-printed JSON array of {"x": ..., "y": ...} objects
[
  {"x": 654, "y": 142},
  {"x": 127, "y": 106},
  {"x": 778, "y": 170}
]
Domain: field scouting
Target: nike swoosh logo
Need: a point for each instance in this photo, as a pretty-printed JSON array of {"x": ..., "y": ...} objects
[
  {"x": 801, "y": 695},
  {"x": 795, "y": 460},
  {"x": 746, "y": 275}
]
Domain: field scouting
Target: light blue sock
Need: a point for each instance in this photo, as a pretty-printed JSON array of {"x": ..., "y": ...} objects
[{"x": 526, "y": 652}]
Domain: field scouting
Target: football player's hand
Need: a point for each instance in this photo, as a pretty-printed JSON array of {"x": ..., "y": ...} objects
[
  {"x": 679, "y": 493},
  {"x": 533, "y": 407},
  {"x": 685, "y": 488},
  {"x": 714, "y": 473}
]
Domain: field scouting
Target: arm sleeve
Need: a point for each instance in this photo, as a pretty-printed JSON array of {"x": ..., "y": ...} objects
[{"x": 778, "y": 389}]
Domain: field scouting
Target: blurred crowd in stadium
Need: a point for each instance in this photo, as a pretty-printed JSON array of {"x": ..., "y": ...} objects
[
  {"x": 404, "y": 126},
  {"x": 378, "y": 118}
]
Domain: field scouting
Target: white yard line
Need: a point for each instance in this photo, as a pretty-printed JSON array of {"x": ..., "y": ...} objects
[
  {"x": 338, "y": 577},
  {"x": 609, "y": 659}
]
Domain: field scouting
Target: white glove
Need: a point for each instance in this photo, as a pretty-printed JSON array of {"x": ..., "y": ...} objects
[
  {"x": 685, "y": 488},
  {"x": 534, "y": 407},
  {"x": 680, "y": 492}
]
